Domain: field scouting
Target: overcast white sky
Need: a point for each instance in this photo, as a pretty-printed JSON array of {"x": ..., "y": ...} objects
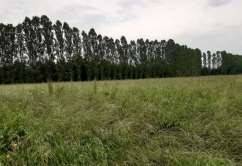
[{"x": 204, "y": 24}]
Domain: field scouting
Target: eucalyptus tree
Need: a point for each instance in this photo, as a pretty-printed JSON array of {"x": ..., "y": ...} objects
[
  {"x": 59, "y": 46},
  {"x": 27, "y": 28},
  {"x": 163, "y": 46},
  {"x": 9, "y": 53},
  {"x": 214, "y": 61},
  {"x": 209, "y": 60},
  {"x": 157, "y": 51},
  {"x": 149, "y": 50},
  {"x": 68, "y": 44},
  {"x": 119, "y": 51},
  {"x": 124, "y": 52},
  {"x": 21, "y": 59},
  {"x": 77, "y": 45},
  {"x": 105, "y": 41},
  {"x": 2, "y": 43},
  {"x": 119, "y": 56},
  {"x": 20, "y": 45},
  {"x": 196, "y": 63},
  {"x": 77, "y": 58},
  {"x": 133, "y": 59},
  {"x": 219, "y": 59},
  {"x": 100, "y": 48},
  {"x": 59, "y": 50},
  {"x": 86, "y": 48},
  {"x": 93, "y": 45},
  {"x": 204, "y": 59},
  {"x": 48, "y": 43},
  {"x": 92, "y": 42},
  {"x": 100, "y": 57},
  {"x": 36, "y": 39},
  {"x": 142, "y": 51},
  {"x": 170, "y": 50},
  {"x": 124, "y": 57},
  {"x": 68, "y": 49},
  {"x": 113, "y": 54},
  {"x": 114, "y": 60}
]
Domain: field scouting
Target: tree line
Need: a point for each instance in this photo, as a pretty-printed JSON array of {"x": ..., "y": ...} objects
[{"x": 38, "y": 50}]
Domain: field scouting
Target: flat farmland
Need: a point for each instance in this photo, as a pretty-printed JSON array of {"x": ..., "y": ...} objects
[{"x": 172, "y": 121}]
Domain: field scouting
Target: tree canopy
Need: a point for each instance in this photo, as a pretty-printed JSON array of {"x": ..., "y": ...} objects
[{"x": 38, "y": 50}]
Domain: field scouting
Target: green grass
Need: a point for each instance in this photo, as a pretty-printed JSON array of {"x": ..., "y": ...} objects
[{"x": 175, "y": 121}]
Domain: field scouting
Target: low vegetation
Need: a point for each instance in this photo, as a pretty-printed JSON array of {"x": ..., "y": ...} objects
[{"x": 175, "y": 121}]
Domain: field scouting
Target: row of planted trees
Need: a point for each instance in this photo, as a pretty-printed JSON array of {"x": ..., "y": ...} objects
[
  {"x": 38, "y": 50},
  {"x": 221, "y": 62}
]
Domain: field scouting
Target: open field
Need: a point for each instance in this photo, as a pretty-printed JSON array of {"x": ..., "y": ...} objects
[{"x": 174, "y": 121}]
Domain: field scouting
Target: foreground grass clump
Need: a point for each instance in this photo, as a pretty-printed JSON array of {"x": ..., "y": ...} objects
[{"x": 178, "y": 121}]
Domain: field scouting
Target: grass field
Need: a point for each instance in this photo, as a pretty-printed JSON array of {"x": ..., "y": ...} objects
[{"x": 174, "y": 121}]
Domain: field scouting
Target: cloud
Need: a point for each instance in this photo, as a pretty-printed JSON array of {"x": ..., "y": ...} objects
[
  {"x": 127, "y": 4},
  {"x": 206, "y": 24},
  {"x": 219, "y": 38},
  {"x": 218, "y": 3},
  {"x": 83, "y": 16}
]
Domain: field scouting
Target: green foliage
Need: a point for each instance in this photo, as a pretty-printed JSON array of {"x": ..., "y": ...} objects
[{"x": 38, "y": 51}]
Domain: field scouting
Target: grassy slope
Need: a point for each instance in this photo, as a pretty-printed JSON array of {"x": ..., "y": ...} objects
[{"x": 178, "y": 121}]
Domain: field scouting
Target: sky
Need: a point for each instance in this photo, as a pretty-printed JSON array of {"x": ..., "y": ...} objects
[{"x": 205, "y": 24}]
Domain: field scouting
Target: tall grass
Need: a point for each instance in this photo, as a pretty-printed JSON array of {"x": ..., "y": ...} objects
[
  {"x": 177, "y": 121},
  {"x": 50, "y": 88}
]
